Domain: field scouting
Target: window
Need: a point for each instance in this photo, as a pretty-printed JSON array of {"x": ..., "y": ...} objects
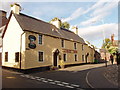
[
  {"x": 62, "y": 43},
  {"x": 82, "y": 47},
  {"x": 82, "y": 57},
  {"x": 75, "y": 57},
  {"x": 40, "y": 39},
  {"x": 17, "y": 57},
  {"x": 40, "y": 54},
  {"x": 64, "y": 57},
  {"x": 75, "y": 47},
  {"x": 6, "y": 56}
]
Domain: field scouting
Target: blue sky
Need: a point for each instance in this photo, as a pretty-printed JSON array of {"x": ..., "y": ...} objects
[{"x": 95, "y": 20}]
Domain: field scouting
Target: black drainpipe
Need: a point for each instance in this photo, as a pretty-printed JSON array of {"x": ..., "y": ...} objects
[{"x": 21, "y": 49}]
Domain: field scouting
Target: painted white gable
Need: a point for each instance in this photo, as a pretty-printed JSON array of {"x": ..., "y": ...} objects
[{"x": 12, "y": 41}]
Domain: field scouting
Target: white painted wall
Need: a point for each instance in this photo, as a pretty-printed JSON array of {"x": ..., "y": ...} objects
[{"x": 11, "y": 42}]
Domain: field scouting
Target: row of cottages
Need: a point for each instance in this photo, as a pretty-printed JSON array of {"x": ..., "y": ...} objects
[{"x": 31, "y": 43}]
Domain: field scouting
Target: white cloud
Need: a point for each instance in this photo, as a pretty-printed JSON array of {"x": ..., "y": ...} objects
[
  {"x": 78, "y": 12},
  {"x": 100, "y": 12},
  {"x": 74, "y": 15},
  {"x": 96, "y": 32}
]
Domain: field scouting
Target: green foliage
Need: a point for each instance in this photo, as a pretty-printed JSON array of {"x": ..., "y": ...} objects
[
  {"x": 54, "y": 19},
  {"x": 65, "y": 25},
  {"x": 108, "y": 46},
  {"x": 11, "y": 5}
]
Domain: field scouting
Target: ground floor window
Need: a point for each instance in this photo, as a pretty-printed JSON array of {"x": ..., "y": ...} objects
[
  {"x": 75, "y": 57},
  {"x": 6, "y": 56},
  {"x": 64, "y": 57},
  {"x": 82, "y": 57},
  {"x": 17, "y": 57},
  {"x": 40, "y": 54}
]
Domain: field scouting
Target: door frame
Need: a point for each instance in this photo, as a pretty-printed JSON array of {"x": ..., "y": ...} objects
[{"x": 53, "y": 57}]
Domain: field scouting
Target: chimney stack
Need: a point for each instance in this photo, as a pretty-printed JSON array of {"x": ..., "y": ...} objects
[
  {"x": 16, "y": 8},
  {"x": 56, "y": 22},
  {"x": 75, "y": 28}
]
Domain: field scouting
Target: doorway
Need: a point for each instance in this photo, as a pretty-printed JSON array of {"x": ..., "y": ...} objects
[{"x": 55, "y": 58}]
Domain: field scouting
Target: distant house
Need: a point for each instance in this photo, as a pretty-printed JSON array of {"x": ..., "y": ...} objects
[
  {"x": 115, "y": 43},
  {"x": 31, "y": 43}
]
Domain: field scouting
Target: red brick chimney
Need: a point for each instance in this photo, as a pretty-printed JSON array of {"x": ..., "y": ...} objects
[{"x": 3, "y": 18}]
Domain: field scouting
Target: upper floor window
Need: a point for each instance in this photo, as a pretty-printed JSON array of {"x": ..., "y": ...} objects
[
  {"x": 40, "y": 56},
  {"x": 6, "y": 56},
  {"x": 62, "y": 43},
  {"x": 40, "y": 39},
  {"x": 75, "y": 46},
  {"x": 17, "y": 57},
  {"x": 82, "y": 47}
]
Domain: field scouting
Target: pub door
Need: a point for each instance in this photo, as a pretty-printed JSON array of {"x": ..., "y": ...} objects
[{"x": 55, "y": 59}]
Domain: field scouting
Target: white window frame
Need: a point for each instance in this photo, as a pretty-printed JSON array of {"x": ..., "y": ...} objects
[
  {"x": 38, "y": 56},
  {"x": 75, "y": 47},
  {"x": 42, "y": 39},
  {"x": 63, "y": 43}
]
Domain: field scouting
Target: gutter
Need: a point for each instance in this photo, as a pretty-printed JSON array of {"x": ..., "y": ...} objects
[{"x": 21, "y": 49}]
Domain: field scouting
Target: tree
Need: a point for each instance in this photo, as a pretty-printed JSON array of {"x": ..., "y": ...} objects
[
  {"x": 108, "y": 46},
  {"x": 64, "y": 25}
]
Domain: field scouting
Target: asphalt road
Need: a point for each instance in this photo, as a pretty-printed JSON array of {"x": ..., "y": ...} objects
[
  {"x": 51, "y": 79},
  {"x": 67, "y": 78}
]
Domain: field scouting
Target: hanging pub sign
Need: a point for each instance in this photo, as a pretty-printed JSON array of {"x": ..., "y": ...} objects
[
  {"x": 69, "y": 51},
  {"x": 32, "y": 44}
]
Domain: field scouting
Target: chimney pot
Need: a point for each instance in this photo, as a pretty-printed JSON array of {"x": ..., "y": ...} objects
[{"x": 16, "y": 8}]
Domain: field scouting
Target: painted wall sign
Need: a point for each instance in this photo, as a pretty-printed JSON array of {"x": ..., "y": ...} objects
[
  {"x": 69, "y": 51},
  {"x": 32, "y": 38},
  {"x": 32, "y": 44}
]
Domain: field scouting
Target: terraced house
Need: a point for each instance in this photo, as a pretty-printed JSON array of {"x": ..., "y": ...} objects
[{"x": 32, "y": 43}]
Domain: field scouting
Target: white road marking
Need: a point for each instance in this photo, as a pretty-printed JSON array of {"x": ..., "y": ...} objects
[
  {"x": 44, "y": 81},
  {"x": 37, "y": 77},
  {"x": 69, "y": 86},
  {"x": 75, "y": 85},
  {"x": 60, "y": 84},
  {"x": 50, "y": 80},
  {"x": 65, "y": 83},
  {"x": 56, "y": 82}
]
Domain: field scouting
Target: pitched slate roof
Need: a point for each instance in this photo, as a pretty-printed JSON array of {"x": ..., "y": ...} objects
[{"x": 28, "y": 23}]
